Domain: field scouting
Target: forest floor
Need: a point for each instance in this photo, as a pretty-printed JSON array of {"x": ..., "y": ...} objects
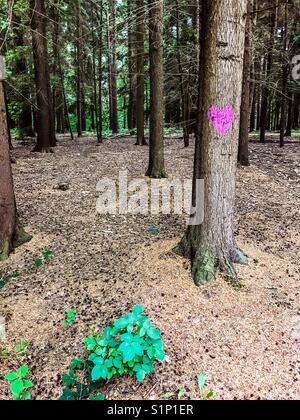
[{"x": 247, "y": 341}]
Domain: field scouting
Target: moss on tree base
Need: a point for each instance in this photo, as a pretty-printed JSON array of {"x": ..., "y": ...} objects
[
  {"x": 206, "y": 261},
  {"x": 156, "y": 173},
  {"x": 4, "y": 250},
  {"x": 21, "y": 236}
]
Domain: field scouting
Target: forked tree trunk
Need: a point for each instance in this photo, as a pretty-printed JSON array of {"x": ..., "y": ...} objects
[
  {"x": 11, "y": 232},
  {"x": 243, "y": 154},
  {"x": 140, "y": 95},
  {"x": 45, "y": 114},
  {"x": 156, "y": 167},
  {"x": 212, "y": 245}
]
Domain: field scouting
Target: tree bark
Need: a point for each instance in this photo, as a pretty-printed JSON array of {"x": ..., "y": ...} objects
[
  {"x": 266, "y": 90},
  {"x": 212, "y": 245},
  {"x": 112, "y": 51},
  {"x": 140, "y": 89},
  {"x": 11, "y": 232},
  {"x": 243, "y": 154},
  {"x": 156, "y": 167},
  {"x": 131, "y": 70},
  {"x": 45, "y": 114}
]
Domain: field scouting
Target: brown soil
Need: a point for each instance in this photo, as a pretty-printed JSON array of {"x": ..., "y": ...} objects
[{"x": 247, "y": 340}]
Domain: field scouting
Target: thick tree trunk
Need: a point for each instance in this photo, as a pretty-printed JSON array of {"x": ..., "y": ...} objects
[
  {"x": 212, "y": 245},
  {"x": 243, "y": 154},
  {"x": 156, "y": 167},
  {"x": 11, "y": 232},
  {"x": 45, "y": 115},
  {"x": 140, "y": 93}
]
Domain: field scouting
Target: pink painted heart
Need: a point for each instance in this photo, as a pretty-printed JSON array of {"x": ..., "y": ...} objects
[{"x": 221, "y": 119}]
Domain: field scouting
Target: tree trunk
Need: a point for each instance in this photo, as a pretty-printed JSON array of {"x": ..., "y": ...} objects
[
  {"x": 156, "y": 167},
  {"x": 24, "y": 122},
  {"x": 266, "y": 91},
  {"x": 140, "y": 89},
  {"x": 79, "y": 55},
  {"x": 212, "y": 245},
  {"x": 114, "y": 119},
  {"x": 243, "y": 154},
  {"x": 45, "y": 115},
  {"x": 11, "y": 232},
  {"x": 131, "y": 69}
]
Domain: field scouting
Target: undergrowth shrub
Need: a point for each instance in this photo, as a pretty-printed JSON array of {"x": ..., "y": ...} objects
[{"x": 128, "y": 346}]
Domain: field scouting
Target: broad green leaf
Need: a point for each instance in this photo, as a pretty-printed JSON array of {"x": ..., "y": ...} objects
[
  {"x": 23, "y": 371},
  {"x": 201, "y": 380},
  {"x": 17, "y": 387},
  {"x": 99, "y": 371},
  {"x": 154, "y": 333},
  {"x": 137, "y": 310},
  {"x": 12, "y": 376},
  {"x": 26, "y": 395},
  {"x": 140, "y": 375}
]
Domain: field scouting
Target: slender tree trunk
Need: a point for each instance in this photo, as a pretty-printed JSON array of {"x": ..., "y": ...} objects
[
  {"x": 11, "y": 232},
  {"x": 114, "y": 118},
  {"x": 45, "y": 115},
  {"x": 243, "y": 154},
  {"x": 100, "y": 73},
  {"x": 79, "y": 55},
  {"x": 289, "y": 125},
  {"x": 212, "y": 245},
  {"x": 156, "y": 167},
  {"x": 95, "y": 90},
  {"x": 285, "y": 75},
  {"x": 131, "y": 68},
  {"x": 24, "y": 122},
  {"x": 7, "y": 119},
  {"x": 140, "y": 89},
  {"x": 266, "y": 90}
]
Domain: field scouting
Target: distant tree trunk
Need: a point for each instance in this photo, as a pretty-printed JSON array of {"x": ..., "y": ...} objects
[
  {"x": 243, "y": 154},
  {"x": 11, "y": 232},
  {"x": 79, "y": 55},
  {"x": 285, "y": 75},
  {"x": 24, "y": 122},
  {"x": 156, "y": 167},
  {"x": 185, "y": 114},
  {"x": 296, "y": 111},
  {"x": 140, "y": 89},
  {"x": 212, "y": 245},
  {"x": 131, "y": 68},
  {"x": 266, "y": 90},
  {"x": 7, "y": 119},
  {"x": 289, "y": 125},
  {"x": 100, "y": 73},
  {"x": 45, "y": 116},
  {"x": 114, "y": 118},
  {"x": 95, "y": 89}
]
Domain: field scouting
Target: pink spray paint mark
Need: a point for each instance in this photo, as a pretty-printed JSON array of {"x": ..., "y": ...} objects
[{"x": 221, "y": 119}]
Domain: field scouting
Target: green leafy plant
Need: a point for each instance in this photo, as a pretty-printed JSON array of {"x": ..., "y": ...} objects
[
  {"x": 201, "y": 384},
  {"x": 128, "y": 346},
  {"x": 180, "y": 393},
  {"x": 19, "y": 383},
  {"x": 15, "y": 274},
  {"x": 40, "y": 261},
  {"x": 17, "y": 353},
  {"x": 70, "y": 318},
  {"x": 153, "y": 231}
]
